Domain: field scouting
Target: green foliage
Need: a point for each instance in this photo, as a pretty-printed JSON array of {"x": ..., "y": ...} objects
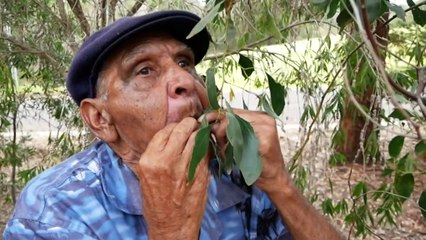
[
  {"x": 278, "y": 94},
  {"x": 200, "y": 149},
  {"x": 419, "y": 15},
  {"x": 246, "y": 66},
  {"x": 422, "y": 203},
  {"x": 395, "y": 146},
  {"x": 212, "y": 89}
]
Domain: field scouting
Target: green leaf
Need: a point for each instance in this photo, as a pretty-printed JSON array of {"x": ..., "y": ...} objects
[
  {"x": 397, "y": 114},
  {"x": 422, "y": 203},
  {"x": 420, "y": 149},
  {"x": 332, "y": 8},
  {"x": 211, "y": 88},
  {"x": 343, "y": 19},
  {"x": 246, "y": 64},
  {"x": 327, "y": 207},
  {"x": 267, "y": 107},
  {"x": 204, "y": 21},
  {"x": 406, "y": 164},
  {"x": 395, "y": 146},
  {"x": 404, "y": 185},
  {"x": 375, "y": 9},
  {"x": 419, "y": 15},
  {"x": 235, "y": 136},
  {"x": 250, "y": 164},
  {"x": 278, "y": 94},
  {"x": 359, "y": 189},
  {"x": 387, "y": 171},
  {"x": 398, "y": 10},
  {"x": 229, "y": 158},
  {"x": 337, "y": 159},
  {"x": 201, "y": 147}
]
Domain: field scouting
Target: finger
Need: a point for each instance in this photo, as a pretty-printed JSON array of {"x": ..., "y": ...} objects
[
  {"x": 161, "y": 138},
  {"x": 183, "y": 165},
  {"x": 180, "y": 134},
  {"x": 219, "y": 124}
]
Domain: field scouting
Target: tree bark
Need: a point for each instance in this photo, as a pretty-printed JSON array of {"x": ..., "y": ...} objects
[{"x": 355, "y": 127}]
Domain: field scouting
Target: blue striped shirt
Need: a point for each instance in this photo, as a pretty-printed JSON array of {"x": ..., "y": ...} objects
[{"x": 93, "y": 195}]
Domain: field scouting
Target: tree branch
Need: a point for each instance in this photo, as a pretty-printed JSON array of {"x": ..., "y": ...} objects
[
  {"x": 79, "y": 14},
  {"x": 375, "y": 47},
  {"x": 138, "y": 4},
  {"x": 102, "y": 13},
  {"x": 365, "y": 30},
  {"x": 112, "y": 6},
  {"x": 67, "y": 25},
  {"x": 30, "y": 49},
  {"x": 420, "y": 88}
]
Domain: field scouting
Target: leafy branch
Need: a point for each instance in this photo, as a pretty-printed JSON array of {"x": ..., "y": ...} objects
[{"x": 31, "y": 49}]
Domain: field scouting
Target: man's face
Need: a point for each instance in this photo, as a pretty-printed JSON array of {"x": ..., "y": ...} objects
[{"x": 148, "y": 83}]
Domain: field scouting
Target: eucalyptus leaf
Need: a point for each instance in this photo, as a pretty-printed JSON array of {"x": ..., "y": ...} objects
[
  {"x": 420, "y": 149},
  {"x": 398, "y": 10},
  {"x": 422, "y": 203},
  {"x": 204, "y": 21},
  {"x": 395, "y": 146},
  {"x": 419, "y": 15},
  {"x": 360, "y": 189},
  {"x": 250, "y": 164},
  {"x": 267, "y": 106},
  {"x": 246, "y": 65},
  {"x": 278, "y": 94},
  {"x": 201, "y": 147},
  {"x": 406, "y": 164},
  {"x": 397, "y": 114},
  {"x": 212, "y": 92},
  {"x": 332, "y": 8},
  {"x": 404, "y": 185},
  {"x": 343, "y": 19},
  {"x": 229, "y": 158},
  {"x": 375, "y": 9},
  {"x": 235, "y": 136}
]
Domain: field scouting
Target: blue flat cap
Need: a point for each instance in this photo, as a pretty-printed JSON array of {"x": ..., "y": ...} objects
[{"x": 85, "y": 67}]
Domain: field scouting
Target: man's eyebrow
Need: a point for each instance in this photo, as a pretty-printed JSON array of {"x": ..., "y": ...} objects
[
  {"x": 185, "y": 49},
  {"x": 134, "y": 52}
]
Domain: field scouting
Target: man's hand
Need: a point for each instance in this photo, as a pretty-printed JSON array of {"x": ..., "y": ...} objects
[
  {"x": 173, "y": 208},
  {"x": 302, "y": 220},
  {"x": 265, "y": 128}
]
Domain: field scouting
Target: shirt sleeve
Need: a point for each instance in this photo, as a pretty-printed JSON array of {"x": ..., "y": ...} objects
[{"x": 24, "y": 229}]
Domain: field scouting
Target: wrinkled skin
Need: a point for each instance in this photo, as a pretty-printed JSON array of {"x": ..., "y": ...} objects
[{"x": 146, "y": 108}]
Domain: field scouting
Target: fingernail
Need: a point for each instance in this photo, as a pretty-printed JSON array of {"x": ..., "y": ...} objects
[{"x": 200, "y": 119}]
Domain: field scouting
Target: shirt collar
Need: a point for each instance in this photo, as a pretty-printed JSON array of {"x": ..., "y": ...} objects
[{"x": 120, "y": 184}]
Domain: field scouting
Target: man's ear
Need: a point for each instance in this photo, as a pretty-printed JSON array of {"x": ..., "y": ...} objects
[{"x": 98, "y": 120}]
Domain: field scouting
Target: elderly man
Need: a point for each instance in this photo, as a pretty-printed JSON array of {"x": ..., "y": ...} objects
[{"x": 138, "y": 92}]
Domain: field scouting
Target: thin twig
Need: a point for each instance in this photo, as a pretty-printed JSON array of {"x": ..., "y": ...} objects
[
  {"x": 79, "y": 14},
  {"x": 135, "y": 8},
  {"x": 31, "y": 49}
]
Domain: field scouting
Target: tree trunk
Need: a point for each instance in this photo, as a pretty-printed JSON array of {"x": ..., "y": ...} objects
[{"x": 360, "y": 139}]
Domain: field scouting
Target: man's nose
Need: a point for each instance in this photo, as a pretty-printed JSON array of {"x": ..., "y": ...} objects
[{"x": 181, "y": 83}]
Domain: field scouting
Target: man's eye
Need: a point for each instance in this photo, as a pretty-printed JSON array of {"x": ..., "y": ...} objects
[
  {"x": 145, "y": 71},
  {"x": 183, "y": 63}
]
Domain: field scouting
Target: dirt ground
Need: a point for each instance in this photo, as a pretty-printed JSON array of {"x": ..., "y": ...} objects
[{"x": 410, "y": 223}]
